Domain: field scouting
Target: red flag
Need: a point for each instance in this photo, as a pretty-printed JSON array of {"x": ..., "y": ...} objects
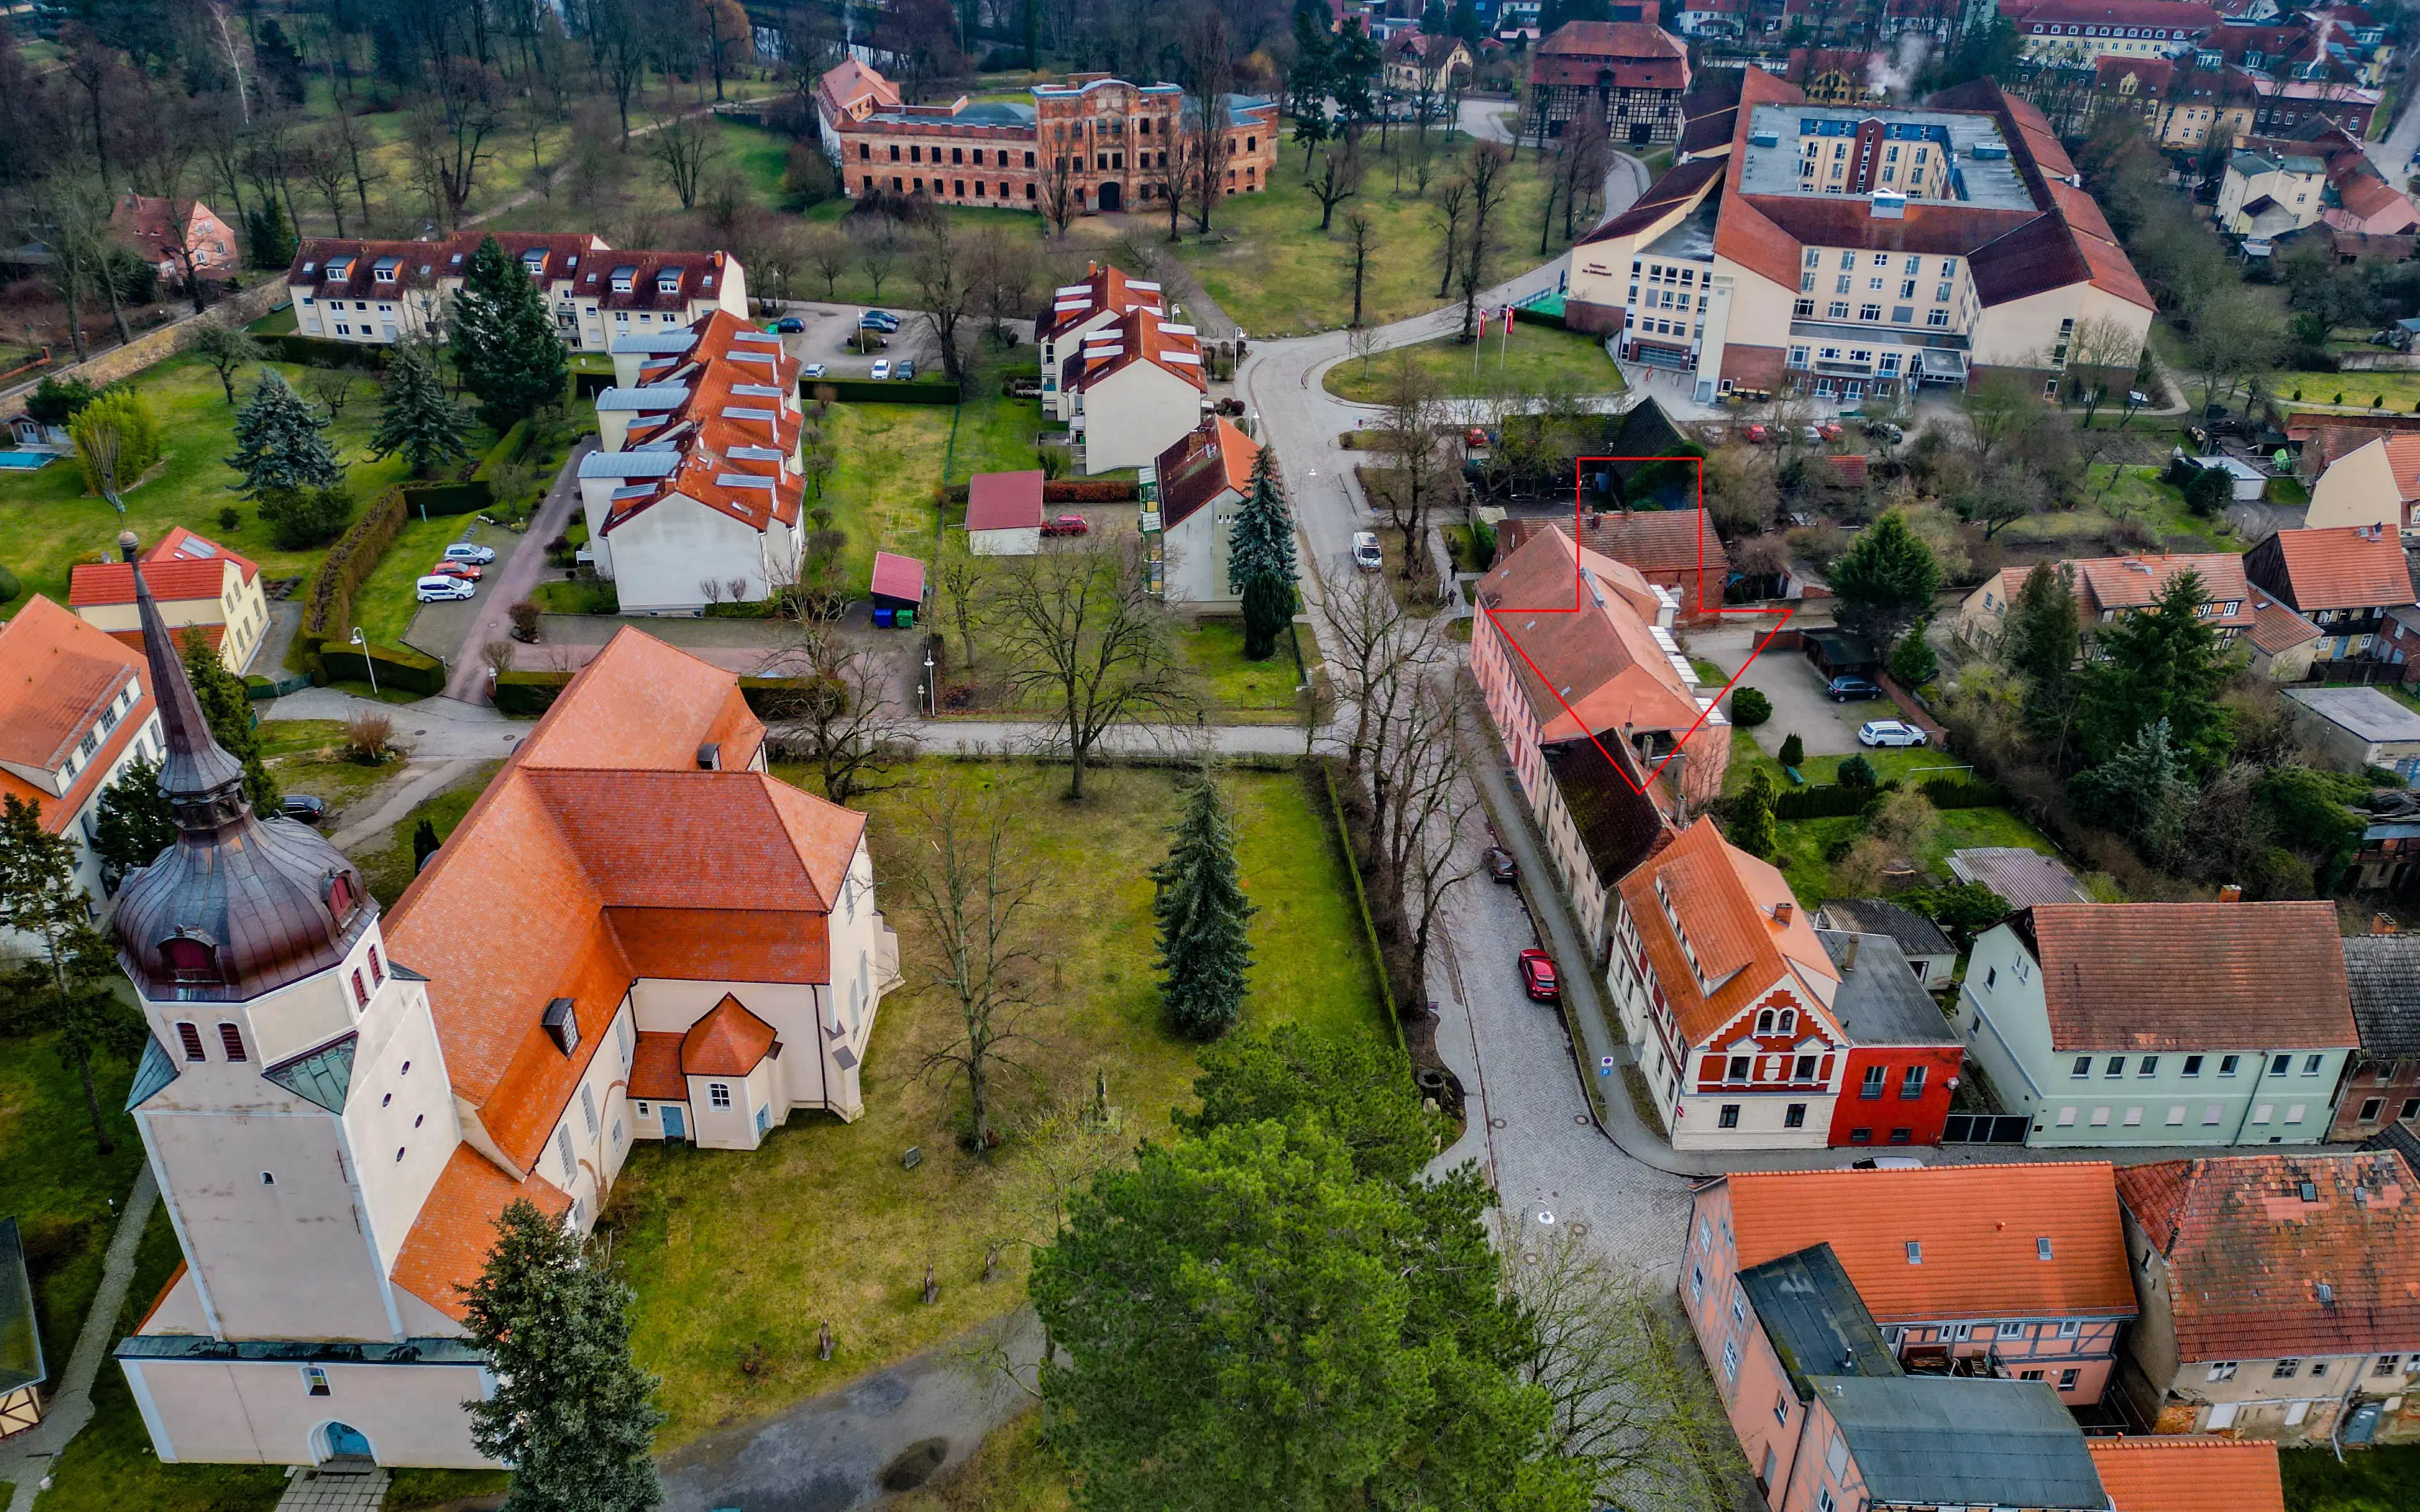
[{"x": 1482, "y": 325}]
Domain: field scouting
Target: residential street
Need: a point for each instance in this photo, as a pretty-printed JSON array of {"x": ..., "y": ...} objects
[{"x": 512, "y": 578}]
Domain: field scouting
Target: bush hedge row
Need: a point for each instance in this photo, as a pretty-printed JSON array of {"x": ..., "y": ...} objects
[
  {"x": 435, "y": 498},
  {"x": 397, "y": 667},
  {"x": 318, "y": 351},
  {"x": 1070, "y": 491},
  {"x": 882, "y": 391},
  {"x": 354, "y": 557},
  {"x": 532, "y": 692},
  {"x": 1531, "y": 314},
  {"x": 1827, "y": 801},
  {"x": 1964, "y": 793}
]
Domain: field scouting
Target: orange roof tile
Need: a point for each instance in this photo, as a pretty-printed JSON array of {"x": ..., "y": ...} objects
[
  {"x": 2259, "y": 1270},
  {"x": 1139, "y": 335},
  {"x": 1104, "y": 287},
  {"x": 642, "y": 704},
  {"x": 2343, "y": 566},
  {"x": 1212, "y": 458},
  {"x": 723, "y": 430},
  {"x": 172, "y": 582},
  {"x": 57, "y": 674},
  {"x": 2191, "y": 975},
  {"x": 2275, "y": 628},
  {"x": 1728, "y": 902},
  {"x": 1599, "y": 656},
  {"x": 656, "y": 1069},
  {"x": 728, "y": 1041},
  {"x": 211, "y": 635},
  {"x": 456, "y": 1227},
  {"x": 1979, "y": 1227},
  {"x": 2189, "y": 1474}
]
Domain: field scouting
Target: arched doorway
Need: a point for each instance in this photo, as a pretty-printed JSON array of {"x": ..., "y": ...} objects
[
  {"x": 342, "y": 1441},
  {"x": 1112, "y": 199}
]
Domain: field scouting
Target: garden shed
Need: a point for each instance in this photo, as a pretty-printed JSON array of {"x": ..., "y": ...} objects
[{"x": 898, "y": 590}]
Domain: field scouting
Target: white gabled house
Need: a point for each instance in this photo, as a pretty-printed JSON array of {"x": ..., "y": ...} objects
[
  {"x": 1203, "y": 482},
  {"x": 1131, "y": 388},
  {"x": 382, "y": 292}
]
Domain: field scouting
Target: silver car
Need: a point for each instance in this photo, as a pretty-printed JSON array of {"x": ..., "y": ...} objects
[{"x": 1890, "y": 732}]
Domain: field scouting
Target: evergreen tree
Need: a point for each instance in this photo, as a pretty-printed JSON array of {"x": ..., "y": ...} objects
[
  {"x": 67, "y": 980},
  {"x": 417, "y": 417},
  {"x": 301, "y": 517},
  {"x": 221, "y": 694},
  {"x": 1913, "y": 663},
  {"x": 1793, "y": 750},
  {"x": 2043, "y": 641},
  {"x": 2142, "y": 790},
  {"x": 134, "y": 824},
  {"x": 269, "y": 235},
  {"x": 278, "y": 442},
  {"x": 1341, "y": 1084},
  {"x": 504, "y": 345},
  {"x": 279, "y": 61},
  {"x": 425, "y": 844},
  {"x": 1314, "y": 71},
  {"x": 2161, "y": 663},
  {"x": 1202, "y": 913},
  {"x": 1261, "y": 567},
  {"x": 1751, "y": 826},
  {"x": 572, "y": 1415},
  {"x": 1886, "y": 580}
]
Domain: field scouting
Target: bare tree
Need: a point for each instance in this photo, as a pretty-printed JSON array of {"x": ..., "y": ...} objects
[
  {"x": 1373, "y": 638},
  {"x": 1429, "y": 796},
  {"x": 1336, "y": 178},
  {"x": 1418, "y": 477},
  {"x": 497, "y": 655},
  {"x": 1491, "y": 184},
  {"x": 2097, "y": 349},
  {"x": 1360, "y": 242},
  {"x": 324, "y": 168},
  {"x": 619, "y": 40},
  {"x": 683, "y": 147},
  {"x": 1208, "y": 72},
  {"x": 330, "y": 388},
  {"x": 839, "y": 718},
  {"x": 1001, "y": 270},
  {"x": 447, "y": 134},
  {"x": 350, "y": 136},
  {"x": 1175, "y": 165},
  {"x": 1079, "y": 627},
  {"x": 959, "y": 579},
  {"x": 877, "y": 251},
  {"x": 1452, "y": 208},
  {"x": 971, "y": 880},
  {"x": 1063, "y": 191},
  {"x": 829, "y": 253},
  {"x": 941, "y": 287}
]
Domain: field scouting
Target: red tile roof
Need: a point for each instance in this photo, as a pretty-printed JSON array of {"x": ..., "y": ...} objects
[
  {"x": 185, "y": 579},
  {"x": 1005, "y": 502},
  {"x": 2343, "y": 566},
  {"x": 897, "y": 577},
  {"x": 57, "y": 674},
  {"x": 1638, "y": 54},
  {"x": 1726, "y": 902},
  {"x": 1978, "y": 1228},
  {"x": 728, "y": 1041},
  {"x": 1135, "y": 336},
  {"x": 1212, "y": 458},
  {"x": 2249, "y": 1254},
  {"x": 741, "y": 403},
  {"x": 656, "y": 1068},
  {"x": 2189, "y": 1474},
  {"x": 163, "y": 235},
  {"x": 2163, "y": 14},
  {"x": 212, "y": 634},
  {"x": 456, "y": 1227},
  {"x": 1599, "y": 656},
  {"x": 1659, "y": 543},
  {"x": 2276, "y": 629},
  {"x": 2191, "y": 975},
  {"x": 1105, "y": 286}
]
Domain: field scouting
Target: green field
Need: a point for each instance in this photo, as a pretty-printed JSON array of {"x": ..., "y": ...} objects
[
  {"x": 2382, "y": 1479},
  {"x": 711, "y": 1290},
  {"x": 56, "y": 1183},
  {"x": 891, "y": 457},
  {"x": 1532, "y": 359},
  {"x": 1213, "y": 648}
]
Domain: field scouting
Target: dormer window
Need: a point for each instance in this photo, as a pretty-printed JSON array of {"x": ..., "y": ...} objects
[
  {"x": 624, "y": 278},
  {"x": 342, "y": 899},
  {"x": 668, "y": 283},
  {"x": 561, "y": 1023},
  {"x": 191, "y": 961}
]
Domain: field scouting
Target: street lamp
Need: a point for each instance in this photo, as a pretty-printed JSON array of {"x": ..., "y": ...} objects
[
  {"x": 932, "y": 687},
  {"x": 362, "y": 641}
]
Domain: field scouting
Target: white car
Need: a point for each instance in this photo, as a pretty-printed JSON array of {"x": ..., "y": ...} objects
[
  {"x": 466, "y": 551},
  {"x": 1888, "y": 732},
  {"x": 1366, "y": 554},
  {"x": 813, "y": 370},
  {"x": 442, "y": 590},
  {"x": 882, "y": 369}
]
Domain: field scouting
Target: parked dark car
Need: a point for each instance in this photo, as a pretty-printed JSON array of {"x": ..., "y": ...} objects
[
  {"x": 789, "y": 325},
  {"x": 303, "y": 808},
  {"x": 1500, "y": 866},
  {"x": 1845, "y": 689}
]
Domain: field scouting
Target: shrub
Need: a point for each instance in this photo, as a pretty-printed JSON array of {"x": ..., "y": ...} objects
[
  {"x": 230, "y": 518},
  {"x": 1856, "y": 772},
  {"x": 369, "y": 738},
  {"x": 1750, "y": 708},
  {"x": 1913, "y": 663},
  {"x": 528, "y": 692},
  {"x": 524, "y": 616},
  {"x": 1793, "y": 750},
  {"x": 118, "y": 419},
  {"x": 299, "y": 518},
  {"x": 347, "y": 563},
  {"x": 58, "y": 400}
]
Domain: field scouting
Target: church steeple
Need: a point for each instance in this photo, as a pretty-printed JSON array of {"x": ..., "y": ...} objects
[{"x": 240, "y": 905}]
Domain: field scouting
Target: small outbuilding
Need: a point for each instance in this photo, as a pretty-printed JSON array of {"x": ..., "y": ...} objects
[
  {"x": 2245, "y": 481},
  {"x": 2358, "y": 727},
  {"x": 1004, "y": 513},
  {"x": 898, "y": 590}
]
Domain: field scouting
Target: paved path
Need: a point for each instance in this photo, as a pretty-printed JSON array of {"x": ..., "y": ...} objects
[
  {"x": 512, "y": 578},
  {"x": 26, "y": 1460},
  {"x": 1801, "y": 706},
  {"x": 406, "y": 791},
  {"x": 432, "y": 729},
  {"x": 2392, "y": 153},
  {"x": 827, "y": 1454},
  {"x": 972, "y": 736}
]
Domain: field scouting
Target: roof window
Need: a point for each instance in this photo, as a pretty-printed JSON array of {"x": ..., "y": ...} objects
[
  {"x": 1915, "y": 1252},
  {"x": 2041, "y": 1248},
  {"x": 561, "y": 1023}
]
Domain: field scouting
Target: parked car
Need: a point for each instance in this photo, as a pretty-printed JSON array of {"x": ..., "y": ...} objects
[
  {"x": 882, "y": 369},
  {"x": 1829, "y": 431},
  {"x": 907, "y": 368},
  {"x": 1538, "y": 977},
  {"x": 468, "y": 571},
  {"x": 1366, "y": 553},
  {"x": 1065, "y": 525},
  {"x": 470, "y": 552},
  {"x": 882, "y": 321},
  {"x": 1844, "y": 688},
  {"x": 1757, "y": 434},
  {"x": 1500, "y": 866},
  {"x": 789, "y": 325},
  {"x": 812, "y": 370},
  {"x": 439, "y": 589},
  {"x": 1890, "y": 732},
  {"x": 1885, "y": 431},
  {"x": 1886, "y": 1162},
  {"x": 303, "y": 808},
  {"x": 1810, "y": 435}
]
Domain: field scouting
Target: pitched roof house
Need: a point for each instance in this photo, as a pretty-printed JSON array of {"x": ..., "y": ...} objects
[
  {"x": 2107, "y": 589},
  {"x": 2280, "y": 643},
  {"x": 1929, "y": 954},
  {"x": 2163, "y": 1473},
  {"x": 2382, "y": 1085},
  {"x": 2375, "y": 480},
  {"x": 2278, "y": 1291},
  {"x": 1130, "y": 388},
  {"x": 203, "y": 588},
  {"x": 1903, "y": 1062},
  {"x": 74, "y": 709},
  {"x": 167, "y": 233},
  {"x": 1004, "y": 513},
  {"x": 2342, "y": 578},
  {"x": 1201, "y": 481},
  {"x": 1631, "y": 73},
  {"x": 1076, "y": 310},
  {"x": 2165, "y": 1023},
  {"x": 1673, "y": 548}
]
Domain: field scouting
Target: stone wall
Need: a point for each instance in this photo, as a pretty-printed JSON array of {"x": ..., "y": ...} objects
[{"x": 157, "y": 345}]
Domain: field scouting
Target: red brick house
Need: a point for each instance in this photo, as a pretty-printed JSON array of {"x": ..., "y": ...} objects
[
  {"x": 1904, "y": 1059},
  {"x": 165, "y": 235}
]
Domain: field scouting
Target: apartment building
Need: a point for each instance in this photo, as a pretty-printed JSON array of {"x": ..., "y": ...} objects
[
  {"x": 74, "y": 710},
  {"x": 203, "y": 588},
  {"x": 2079, "y": 31}
]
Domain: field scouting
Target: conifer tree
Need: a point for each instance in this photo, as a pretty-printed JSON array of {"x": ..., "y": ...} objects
[
  {"x": 1886, "y": 580},
  {"x": 65, "y": 985},
  {"x": 221, "y": 695},
  {"x": 573, "y": 1413},
  {"x": 1202, "y": 913},
  {"x": 504, "y": 345},
  {"x": 134, "y": 824},
  {"x": 278, "y": 445},
  {"x": 271, "y": 234},
  {"x": 417, "y": 417},
  {"x": 1752, "y": 828},
  {"x": 425, "y": 844},
  {"x": 1261, "y": 567}
]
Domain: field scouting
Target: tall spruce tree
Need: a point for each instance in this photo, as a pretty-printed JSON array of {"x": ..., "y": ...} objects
[
  {"x": 271, "y": 234},
  {"x": 224, "y": 704},
  {"x": 504, "y": 345},
  {"x": 573, "y": 1413},
  {"x": 416, "y": 416},
  {"x": 134, "y": 824},
  {"x": 2161, "y": 663},
  {"x": 1202, "y": 913},
  {"x": 278, "y": 442},
  {"x": 2042, "y": 640},
  {"x": 1260, "y": 567}
]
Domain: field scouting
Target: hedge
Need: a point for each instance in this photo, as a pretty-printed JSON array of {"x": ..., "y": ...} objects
[
  {"x": 882, "y": 391},
  {"x": 1964, "y": 793},
  {"x": 528, "y": 693},
  {"x": 1069, "y": 491},
  {"x": 351, "y": 559},
  {"x": 508, "y": 450},
  {"x": 318, "y": 351},
  {"x": 435, "y": 498},
  {"x": 760, "y": 692},
  {"x": 1531, "y": 314},
  {"x": 589, "y": 385},
  {"x": 397, "y": 667},
  {"x": 1828, "y": 801}
]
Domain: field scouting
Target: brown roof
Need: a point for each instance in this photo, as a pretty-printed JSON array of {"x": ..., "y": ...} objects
[
  {"x": 1979, "y": 1230},
  {"x": 1139, "y": 335},
  {"x": 456, "y": 1227},
  {"x": 724, "y": 426},
  {"x": 1594, "y": 666},
  {"x": 1105, "y": 288},
  {"x": 728, "y": 1041},
  {"x": 2302, "y": 425},
  {"x": 2278, "y": 1254},
  {"x": 1638, "y": 54},
  {"x": 1654, "y": 541},
  {"x": 2191, "y": 975},
  {"x": 2177, "y": 1473},
  {"x": 2341, "y": 566},
  {"x": 56, "y": 675},
  {"x": 2164, "y": 14},
  {"x": 1211, "y": 459},
  {"x": 656, "y": 1068},
  {"x": 2137, "y": 582},
  {"x": 1004, "y": 500},
  {"x": 2276, "y": 629},
  {"x": 1726, "y": 902}
]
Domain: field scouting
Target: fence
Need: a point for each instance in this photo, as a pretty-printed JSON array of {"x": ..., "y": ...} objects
[
  {"x": 158, "y": 345},
  {"x": 2363, "y": 671}
]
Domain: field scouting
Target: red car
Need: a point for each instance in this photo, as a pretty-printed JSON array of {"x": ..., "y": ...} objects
[
  {"x": 1065, "y": 525},
  {"x": 1829, "y": 431},
  {"x": 468, "y": 572},
  {"x": 1757, "y": 435},
  {"x": 1538, "y": 977}
]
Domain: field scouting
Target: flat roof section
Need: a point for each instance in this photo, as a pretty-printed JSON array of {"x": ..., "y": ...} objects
[{"x": 1990, "y": 183}]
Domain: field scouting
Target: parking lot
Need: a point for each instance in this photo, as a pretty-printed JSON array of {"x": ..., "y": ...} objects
[
  {"x": 830, "y": 326},
  {"x": 1800, "y": 705}
]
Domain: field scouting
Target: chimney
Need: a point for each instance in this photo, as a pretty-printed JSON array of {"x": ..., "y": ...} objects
[
  {"x": 709, "y": 757},
  {"x": 1782, "y": 912},
  {"x": 2382, "y": 925},
  {"x": 2232, "y": 893},
  {"x": 1848, "y": 962}
]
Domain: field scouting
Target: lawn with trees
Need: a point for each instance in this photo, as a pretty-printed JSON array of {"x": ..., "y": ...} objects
[{"x": 1534, "y": 356}]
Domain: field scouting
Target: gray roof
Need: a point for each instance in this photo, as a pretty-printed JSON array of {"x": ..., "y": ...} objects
[
  {"x": 2022, "y": 877},
  {"x": 2383, "y": 971},
  {"x": 639, "y": 462},
  {"x": 1817, "y": 1323},
  {"x": 644, "y": 397},
  {"x": 2397, "y": 1136},
  {"x": 1986, "y": 182},
  {"x": 657, "y": 343},
  {"x": 1880, "y": 1001},
  {"x": 2364, "y": 712},
  {"x": 1915, "y": 933},
  {"x": 1963, "y": 1441}
]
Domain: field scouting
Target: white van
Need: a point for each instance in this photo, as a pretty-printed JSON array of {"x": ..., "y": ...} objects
[
  {"x": 440, "y": 590},
  {"x": 1366, "y": 554}
]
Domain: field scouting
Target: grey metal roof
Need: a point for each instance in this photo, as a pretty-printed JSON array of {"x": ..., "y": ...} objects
[
  {"x": 2365, "y": 712},
  {"x": 644, "y": 397},
  {"x": 2398, "y": 1137},
  {"x": 2022, "y": 877},
  {"x": 1879, "y": 1001},
  {"x": 324, "y": 1075},
  {"x": 156, "y": 1070},
  {"x": 2383, "y": 971},
  {"x": 655, "y": 343},
  {"x": 21, "y": 1336},
  {"x": 1817, "y": 1323},
  {"x": 1915, "y": 933},
  {"x": 641, "y": 462},
  {"x": 1990, "y": 182},
  {"x": 1963, "y": 1441}
]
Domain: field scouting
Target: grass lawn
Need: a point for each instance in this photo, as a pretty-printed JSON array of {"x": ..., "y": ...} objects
[
  {"x": 385, "y": 604},
  {"x": 56, "y": 1183},
  {"x": 412, "y": 1490},
  {"x": 2113, "y": 494},
  {"x": 1537, "y": 357},
  {"x": 854, "y": 286},
  {"x": 1012, "y": 1472},
  {"x": 2400, "y": 388},
  {"x": 1277, "y": 273},
  {"x": 388, "y": 870},
  {"x": 1802, "y": 843},
  {"x": 881, "y": 493},
  {"x": 710, "y": 1289},
  {"x": 2383, "y": 1478},
  {"x": 328, "y": 776},
  {"x": 48, "y": 523},
  {"x": 1215, "y": 649}
]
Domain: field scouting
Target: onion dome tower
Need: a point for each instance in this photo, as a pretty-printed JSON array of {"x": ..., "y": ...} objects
[{"x": 240, "y": 905}]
